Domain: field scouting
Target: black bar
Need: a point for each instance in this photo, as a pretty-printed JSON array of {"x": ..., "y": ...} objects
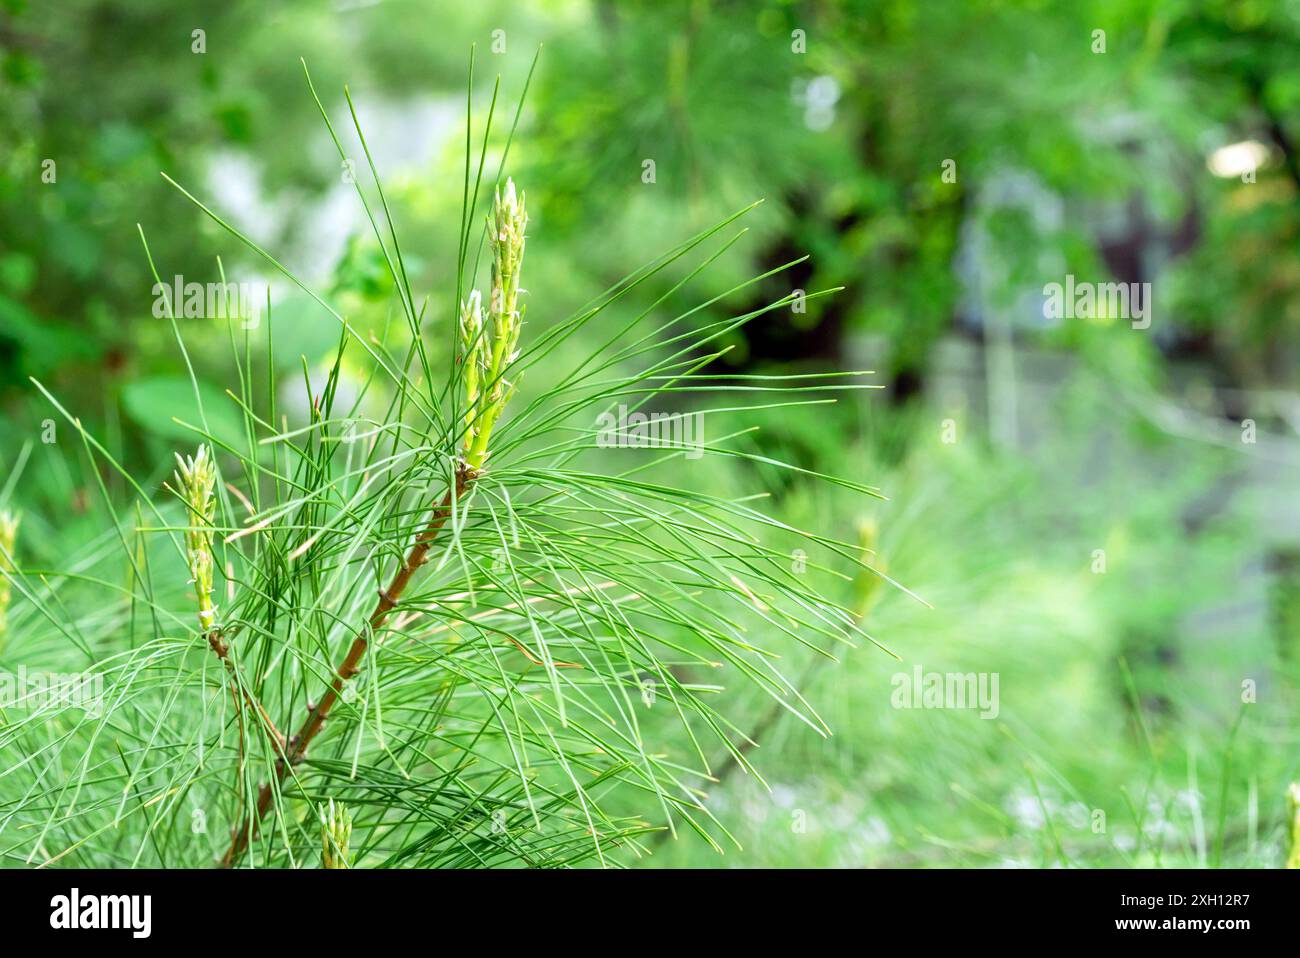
[{"x": 335, "y": 908}]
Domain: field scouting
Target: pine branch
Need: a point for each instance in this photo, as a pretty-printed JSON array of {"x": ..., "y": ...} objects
[
  {"x": 296, "y": 747},
  {"x": 499, "y": 735}
]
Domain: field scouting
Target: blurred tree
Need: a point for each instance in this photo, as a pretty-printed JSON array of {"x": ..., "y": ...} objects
[
  {"x": 98, "y": 97},
  {"x": 888, "y": 137}
]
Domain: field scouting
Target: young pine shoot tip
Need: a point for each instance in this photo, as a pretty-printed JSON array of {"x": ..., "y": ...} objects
[
  {"x": 196, "y": 479},
  {"x": 8, "y": 539},
  {"x": 335, "y": 833},
  {"x": 490, "y": 346}
]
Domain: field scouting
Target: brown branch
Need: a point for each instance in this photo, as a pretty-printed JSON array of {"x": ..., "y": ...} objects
[{"x": 296, "y": 748}]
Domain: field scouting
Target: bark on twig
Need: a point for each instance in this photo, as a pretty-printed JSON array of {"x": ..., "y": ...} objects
[{"x": 296, "y": 747}]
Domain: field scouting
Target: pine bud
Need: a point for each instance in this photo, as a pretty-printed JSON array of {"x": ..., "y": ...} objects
[
  {"x": 196, "y": 479},
  {"x": 509, "y": 221},
  {"x": 491, "y": 390},
  {"x": 8, "y": 538},
  {"x": 474, "y": 352},
  {"x": 867, "y": 583},
  {"x": 335, "y": 833},
  {"x": 1293, "y": 825}
]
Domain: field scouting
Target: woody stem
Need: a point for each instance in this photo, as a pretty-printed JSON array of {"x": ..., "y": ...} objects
[{"x": 296, "y": 748}]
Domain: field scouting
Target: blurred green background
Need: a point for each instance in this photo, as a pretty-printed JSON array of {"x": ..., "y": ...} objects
[{"x": 1104, "y": 515}]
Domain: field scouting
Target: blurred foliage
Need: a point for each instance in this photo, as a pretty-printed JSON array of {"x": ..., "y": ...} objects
[{"x": 840, "y": 115}]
